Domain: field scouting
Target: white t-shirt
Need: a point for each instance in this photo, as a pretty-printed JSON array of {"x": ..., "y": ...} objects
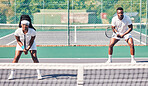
[
  {"x": 121, "y": 25},
  {"x": 31, "y": 32}
]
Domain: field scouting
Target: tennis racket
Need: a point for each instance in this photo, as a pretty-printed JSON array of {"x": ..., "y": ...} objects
[{"x": 108, "y": 32}]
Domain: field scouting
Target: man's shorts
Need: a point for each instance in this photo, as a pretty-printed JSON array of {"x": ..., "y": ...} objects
[{"x": 127, "y": 36}]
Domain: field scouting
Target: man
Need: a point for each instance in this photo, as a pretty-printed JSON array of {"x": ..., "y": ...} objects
[{"x": 121, "y": 26}]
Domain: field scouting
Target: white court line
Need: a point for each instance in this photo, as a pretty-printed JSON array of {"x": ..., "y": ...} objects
[
  {"x": 139, "y": 33},
  {"x": 137, "y": 39},
  {"x": 11, "y": 42},
  {"x": 6, "y": 36}
]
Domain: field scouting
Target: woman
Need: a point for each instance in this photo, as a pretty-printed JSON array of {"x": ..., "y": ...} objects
[{"x": 25, "y": 37}]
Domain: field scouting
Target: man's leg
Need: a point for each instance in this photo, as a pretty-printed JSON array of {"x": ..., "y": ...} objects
[
  {"x": 113, "y": 41},
  {"x": 132, "y": 50}
]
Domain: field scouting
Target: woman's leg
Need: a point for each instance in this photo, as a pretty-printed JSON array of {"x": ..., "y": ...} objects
[
  {"x": 34, "y": 56},
  {"x": 17, "y": 56},
  {"x": 35, "y": 60},
  {"x": 15, "y": 60}
]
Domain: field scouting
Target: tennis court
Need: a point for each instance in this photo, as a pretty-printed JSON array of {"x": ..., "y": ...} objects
[
  {"x": 89, "y": 47},
  {"x": 95, "y": 36},
  {"x": 71, "y": 44}
]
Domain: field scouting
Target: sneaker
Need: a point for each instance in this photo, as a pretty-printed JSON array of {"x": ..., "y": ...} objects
[
  {"x": 39, "y": 77},
  {"x": 10, "y": 77},
  {"x": 109, "y": 61},
  {"x": 133, "y": 61}
]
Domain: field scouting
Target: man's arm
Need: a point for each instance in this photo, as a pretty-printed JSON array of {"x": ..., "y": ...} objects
[
  {"x": 114, "y": 30},
  {"x": 128, "y": 31}
]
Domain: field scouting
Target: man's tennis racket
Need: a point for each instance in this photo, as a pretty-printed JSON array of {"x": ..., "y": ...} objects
[{"x": 108, "y": 32}]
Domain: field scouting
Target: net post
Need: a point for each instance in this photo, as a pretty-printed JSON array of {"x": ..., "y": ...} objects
[{"x": 80, "y": 75}]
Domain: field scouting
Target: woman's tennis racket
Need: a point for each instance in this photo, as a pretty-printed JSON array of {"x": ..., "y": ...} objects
[{"x": 108, "y": 32}]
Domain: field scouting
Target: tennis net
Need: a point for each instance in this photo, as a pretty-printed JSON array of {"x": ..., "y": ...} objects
[
  {"x": 75, "y": 74},
  {"x": 89, "y": 34}
]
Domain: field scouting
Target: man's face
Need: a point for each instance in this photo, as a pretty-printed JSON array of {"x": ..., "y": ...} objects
[{"x": 120, "y": 14}]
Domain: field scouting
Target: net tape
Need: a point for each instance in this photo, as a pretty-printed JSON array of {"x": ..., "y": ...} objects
[{"x": 72, "y": 65}]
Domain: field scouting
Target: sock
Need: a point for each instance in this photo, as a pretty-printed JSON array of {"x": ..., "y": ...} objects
[
  {"x": 11, "y": 74},
  {"x": 132, "y": 57},
  {"x": 12, "y": 71},
  {"x": 110, "y": 57},
  {"x": 38, "y": 72}
]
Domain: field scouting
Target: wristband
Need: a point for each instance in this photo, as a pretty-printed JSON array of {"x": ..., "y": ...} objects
[{"x": 23, "y": 47}]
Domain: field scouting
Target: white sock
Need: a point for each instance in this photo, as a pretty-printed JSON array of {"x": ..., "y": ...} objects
[
  {"x": 38, "y": 72},
  {"x": 132, "y": 57},
  {"x": 109, "y": 57},
  {"x": 11, "y": 74},
  {"x": 12, "y": 71}
]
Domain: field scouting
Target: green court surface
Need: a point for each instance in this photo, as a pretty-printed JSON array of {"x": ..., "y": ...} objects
[{"x": 79, "y": 52}]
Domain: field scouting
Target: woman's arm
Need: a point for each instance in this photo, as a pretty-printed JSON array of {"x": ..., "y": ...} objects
[
  {"x": 21, "y": 44},
  {"x": 31, "y": 42},
  {"x": 19, "y": 41}
]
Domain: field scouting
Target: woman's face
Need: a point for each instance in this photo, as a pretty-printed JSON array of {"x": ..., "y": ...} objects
[{"x": 24, "y": 26}]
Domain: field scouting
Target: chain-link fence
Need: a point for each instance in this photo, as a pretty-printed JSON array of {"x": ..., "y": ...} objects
[{"x": 76, "y": 12}]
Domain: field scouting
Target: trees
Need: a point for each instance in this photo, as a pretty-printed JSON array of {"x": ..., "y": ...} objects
[
  {"x": 10, "y": 10},
  {"x": 4, "y": 10}
]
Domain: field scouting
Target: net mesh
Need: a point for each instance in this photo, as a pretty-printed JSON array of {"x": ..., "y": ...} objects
[{"x": 79, "y": 74}]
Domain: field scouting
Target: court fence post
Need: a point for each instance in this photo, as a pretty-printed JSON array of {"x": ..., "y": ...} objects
[{"x": 75, "y": 34}]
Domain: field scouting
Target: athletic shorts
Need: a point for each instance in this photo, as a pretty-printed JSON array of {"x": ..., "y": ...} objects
[{"x": 127, "y": 36}]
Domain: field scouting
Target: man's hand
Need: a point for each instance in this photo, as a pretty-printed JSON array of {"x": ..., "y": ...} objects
[{"x": 120, "y": 36}]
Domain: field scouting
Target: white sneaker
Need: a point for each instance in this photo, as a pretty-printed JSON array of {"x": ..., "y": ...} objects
[
  {"x": 39, "y": 77},
  {"x": 109, "y": 61},
  {"x": 10, "y": 77},
  {"x": 133, "y": 61}
]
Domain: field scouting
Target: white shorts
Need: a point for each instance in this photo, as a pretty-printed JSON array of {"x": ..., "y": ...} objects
[
  {"x": 127, "y": 36},
  {"x": 33, "y": 47}
]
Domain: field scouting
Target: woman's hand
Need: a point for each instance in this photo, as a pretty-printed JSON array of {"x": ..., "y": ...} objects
[{"x": 25, "y": 51}]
